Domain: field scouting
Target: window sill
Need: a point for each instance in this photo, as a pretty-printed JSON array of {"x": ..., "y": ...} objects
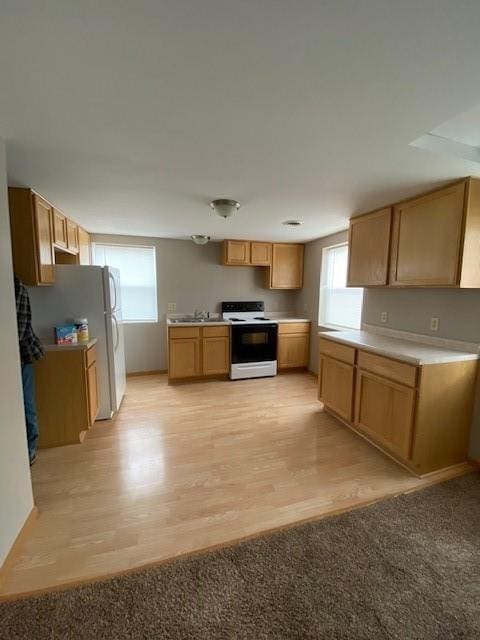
[{"x": 336, "y": 327}]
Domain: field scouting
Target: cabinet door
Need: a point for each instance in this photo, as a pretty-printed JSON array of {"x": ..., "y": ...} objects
[
  {"x": 236, "y": 252},
  {"x": 216, "y": 355},
  {"x": 92, "y": 392},
  {"x": 59, "y": 229},
  {"x": 72, "y": 236},
  {"x": 261, "y": 254},
  {"x": 286, "y": 271},
  {"x": 184, "y": 358},
  {"x": 293, "y": 350},
  {"x": 44, "y": 240},
  {"x": 368, "y": 249},
  {"x": 426, "y": 239},
  {"x": 84, "y": 246},
  {"x": 384, "y": 411},
  {"x": 336, "y": 386}
]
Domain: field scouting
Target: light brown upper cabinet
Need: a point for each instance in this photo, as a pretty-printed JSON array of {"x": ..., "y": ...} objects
[
  {"x": 236, "y": 252},
  {"x": 59, "y": 229},
  {"x": 42, "y": 236},
  {"x": 65, "y": 233},
  {"x": 427, "y": 239},
  {"x": 286, "y": 271},
  {"x": 369, "y": 248},
  {"x": 84, "y": 247},
  {"x": 261, "y": 254},
  {"x": 284, "y": 261},
  {"x": 434, "y": 240},
  {"x": 72, "y": 236},
  {"x": 31, "y": 225}
]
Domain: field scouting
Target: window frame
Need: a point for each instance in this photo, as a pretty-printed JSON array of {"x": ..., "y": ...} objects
[
  {"x": 322, "y": 287},
  {"x": 135, "y": 246}
]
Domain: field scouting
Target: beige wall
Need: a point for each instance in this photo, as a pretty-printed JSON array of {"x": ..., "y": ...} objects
[
  {"x": 16, "y": 499},
  {"x": 193, "y": 278},
  {"x": 308, "y": 298}
]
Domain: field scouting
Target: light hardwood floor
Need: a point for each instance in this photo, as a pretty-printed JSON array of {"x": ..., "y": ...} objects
[{"x": 185, "y": 467}]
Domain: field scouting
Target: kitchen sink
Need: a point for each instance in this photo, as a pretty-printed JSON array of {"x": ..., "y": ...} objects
[{"x": 195, "y": 320}]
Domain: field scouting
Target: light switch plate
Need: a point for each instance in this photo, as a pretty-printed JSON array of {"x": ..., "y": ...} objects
[
  {"x": 434, "y": 322},
  {"x": 384, "y": 316},
  {"x": 171, "y": 306}
]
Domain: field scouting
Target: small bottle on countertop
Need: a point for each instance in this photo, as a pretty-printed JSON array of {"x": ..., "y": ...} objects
[{"x": 82, "y": 329}]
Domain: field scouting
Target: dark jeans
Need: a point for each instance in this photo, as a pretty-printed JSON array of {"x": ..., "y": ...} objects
[{"x": 30, "y": 409}]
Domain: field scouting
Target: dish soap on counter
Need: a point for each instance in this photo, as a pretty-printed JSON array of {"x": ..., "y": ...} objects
[{"x": 82, "y": 329}]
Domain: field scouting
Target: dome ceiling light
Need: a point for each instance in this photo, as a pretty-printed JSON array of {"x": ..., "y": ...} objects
[
  {"x": 198, "y": 239},
  {"x": 225, "y": 207}
]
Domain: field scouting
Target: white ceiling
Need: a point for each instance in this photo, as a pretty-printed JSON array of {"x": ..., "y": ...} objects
[{"x": 132, "y": 116}]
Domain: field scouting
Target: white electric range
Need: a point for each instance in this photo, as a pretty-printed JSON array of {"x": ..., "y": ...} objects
[{"x": 254, "y": 340}]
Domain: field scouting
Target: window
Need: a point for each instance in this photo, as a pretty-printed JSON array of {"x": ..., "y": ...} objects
[
  {"x": 339, "y": 306},
  {"x": 138, "y": 281}
]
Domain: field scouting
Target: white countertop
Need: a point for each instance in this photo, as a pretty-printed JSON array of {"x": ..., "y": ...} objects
[
  {"x": 214, "y": 323},
  {"x": 415, "y": 352},
  {"x": 65, "y": 347},
  {"x": 210, "y": 323}
]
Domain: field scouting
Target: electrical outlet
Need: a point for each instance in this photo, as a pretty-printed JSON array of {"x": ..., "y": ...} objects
[
  {"x": 171, "y": 306},
  {"x": 434, "y": 322},
  {"x": 384, "y": 316}
]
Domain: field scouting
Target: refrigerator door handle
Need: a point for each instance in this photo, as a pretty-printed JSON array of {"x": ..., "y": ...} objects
[
  {"x": 114, "y": 289},
  {"x": 117, "y": 333}
]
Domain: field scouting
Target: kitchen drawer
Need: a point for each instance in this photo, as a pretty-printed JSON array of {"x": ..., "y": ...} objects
[
  {"x": 91, "y": 356},
  {"x": 293, "y": 327},
  {"x": 217, "y": 331},
  {"x": 392, "y": 369},
  {"x": 337, "y": 350},
  {"x": 184, "y": 332}
]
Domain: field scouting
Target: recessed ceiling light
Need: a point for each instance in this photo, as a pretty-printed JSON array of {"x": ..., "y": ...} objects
[
  {"x": 200, "y": 239},
  {"x": 292, "y": 223}
]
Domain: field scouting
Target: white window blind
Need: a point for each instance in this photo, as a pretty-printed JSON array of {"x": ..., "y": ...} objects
[
  {"x": 138, "y": 281},
  {"x": 339, "y": 306}
]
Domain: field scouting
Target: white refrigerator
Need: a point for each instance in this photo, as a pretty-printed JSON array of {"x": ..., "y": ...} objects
[{"x": 94, "y": 293}]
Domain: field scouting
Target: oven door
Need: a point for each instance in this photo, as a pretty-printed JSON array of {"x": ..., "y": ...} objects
[{"x": 254, "y": 343}]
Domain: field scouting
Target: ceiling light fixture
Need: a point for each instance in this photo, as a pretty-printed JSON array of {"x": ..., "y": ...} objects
[
  {"x": 225, "y": 207},
  {"x": 200, "y": 239},
  {"x": 293, "y": 223}
]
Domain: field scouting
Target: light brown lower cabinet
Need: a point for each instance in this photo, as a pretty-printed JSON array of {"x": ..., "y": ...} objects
[
  {"x": 420, "y": 415},
  {"x": 66, "y": 394},
  {"x": 184, "y": 358},
  {"x": 336, "y": 386},
  {"x": 195, "y": 352},
  {"x": 384, "y": 410},
  {"x": 215, "y": 355},
  {"x": 293, "y": 345}
]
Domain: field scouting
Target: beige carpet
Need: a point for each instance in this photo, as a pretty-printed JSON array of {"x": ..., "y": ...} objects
[{"x": 406, "y": 568}]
